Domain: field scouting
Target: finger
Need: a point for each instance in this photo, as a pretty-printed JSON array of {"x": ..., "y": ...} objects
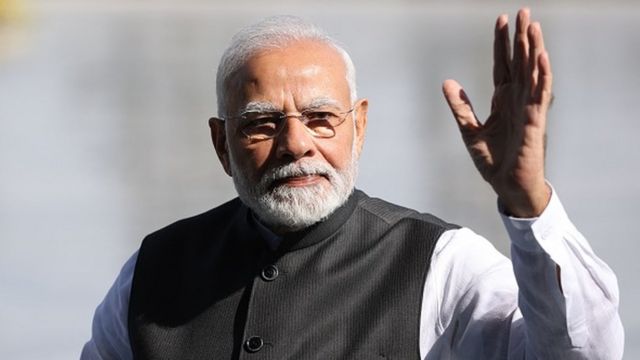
[
  {"x": 544, "y": 90},
  {"x": 501, "y": 52},
  {"x": 521, "y": 47},
  {"x": 536, "y": 48},
  {"x": 460, "y": 105},
  {"x": 543, "y": 95}
]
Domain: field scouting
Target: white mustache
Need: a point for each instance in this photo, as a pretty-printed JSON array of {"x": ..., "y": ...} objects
[{"x": 297, "y": 169}]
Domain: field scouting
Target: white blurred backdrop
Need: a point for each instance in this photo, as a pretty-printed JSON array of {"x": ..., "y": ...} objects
[{"x": 103, "y": 133}]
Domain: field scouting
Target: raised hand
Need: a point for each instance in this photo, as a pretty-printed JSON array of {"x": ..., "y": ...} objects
[{"x": 508, "y": 148}]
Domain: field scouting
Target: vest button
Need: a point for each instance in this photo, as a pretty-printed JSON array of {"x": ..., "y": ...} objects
[
  {"x": 269, "y": 273},
  {"x": 254, "y": 344}
]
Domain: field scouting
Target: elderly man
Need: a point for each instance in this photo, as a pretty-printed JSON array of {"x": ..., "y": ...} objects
[{"x": 302, "y": 266}]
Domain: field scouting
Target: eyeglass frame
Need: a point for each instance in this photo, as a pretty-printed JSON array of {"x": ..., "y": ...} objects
[{"x": 283, "y": 116}]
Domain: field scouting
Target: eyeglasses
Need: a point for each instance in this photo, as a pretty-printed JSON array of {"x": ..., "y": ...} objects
[{"x": 259, "y": 125}]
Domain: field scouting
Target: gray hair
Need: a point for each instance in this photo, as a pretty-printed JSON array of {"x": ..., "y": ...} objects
[{"x": 272, "y": 33}]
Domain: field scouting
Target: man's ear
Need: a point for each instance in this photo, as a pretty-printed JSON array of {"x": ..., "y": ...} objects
[
  {"x": 219, "y": 139},
  {"x": 361, "y": 123}
]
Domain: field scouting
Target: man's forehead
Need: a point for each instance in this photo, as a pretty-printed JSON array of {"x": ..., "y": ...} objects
[
  {"x": 314, "y": 72},
  {"x": 308, "y": 56},
  {"x": 312, "y": 46}
]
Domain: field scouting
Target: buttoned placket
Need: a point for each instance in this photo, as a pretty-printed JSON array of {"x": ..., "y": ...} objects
[{"x": 257, "y": 345}]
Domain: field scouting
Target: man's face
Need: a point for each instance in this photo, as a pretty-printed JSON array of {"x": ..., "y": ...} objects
[{"x": 284, "y": 178}]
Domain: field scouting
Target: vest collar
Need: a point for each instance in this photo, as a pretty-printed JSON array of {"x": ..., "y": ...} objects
[{"x": 314, "y": 233}]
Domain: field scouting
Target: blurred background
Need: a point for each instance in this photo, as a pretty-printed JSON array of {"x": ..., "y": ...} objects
[{"x": 103, "y": 136}]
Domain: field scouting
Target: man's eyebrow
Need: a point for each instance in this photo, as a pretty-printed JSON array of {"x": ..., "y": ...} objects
[
  {"x": 259, "y": 106},
  {"x": 265, "y": 106},
  {"x": 322, "y": 102}
]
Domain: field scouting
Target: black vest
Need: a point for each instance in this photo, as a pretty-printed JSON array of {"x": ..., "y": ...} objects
[{"x": 350, "y": 287}]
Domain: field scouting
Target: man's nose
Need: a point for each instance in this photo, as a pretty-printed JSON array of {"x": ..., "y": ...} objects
[{"x": 294, "y": 140}]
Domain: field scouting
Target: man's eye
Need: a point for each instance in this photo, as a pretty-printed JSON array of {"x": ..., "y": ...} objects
[
  {"x": 261, "y": 119},
  {"x": 319, "y": 116},
  {"x": 264, "y": 117},
  {"x": 269, "y": 122},
  {"x": 261, "y": 125}
]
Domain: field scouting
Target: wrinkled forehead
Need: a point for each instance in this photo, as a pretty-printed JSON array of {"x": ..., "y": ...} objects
[{"x": 302, "y": 71}]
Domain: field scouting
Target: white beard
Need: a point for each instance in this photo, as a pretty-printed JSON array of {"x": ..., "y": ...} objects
[{"x": 295, "y": 208}]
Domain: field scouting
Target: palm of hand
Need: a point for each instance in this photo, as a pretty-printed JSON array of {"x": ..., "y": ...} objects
[{"x": 508, "y": 149}]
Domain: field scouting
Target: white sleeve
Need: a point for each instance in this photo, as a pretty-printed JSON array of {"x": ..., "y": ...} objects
[
  {"x": 109, "y": 331},
  {"x": 469, "y": 300},
  {"x": 471, "y": 296},
  {"x": 575, "y": 314}
]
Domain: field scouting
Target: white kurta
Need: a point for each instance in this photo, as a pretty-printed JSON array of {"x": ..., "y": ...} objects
[{"x": 477, "y": 304}]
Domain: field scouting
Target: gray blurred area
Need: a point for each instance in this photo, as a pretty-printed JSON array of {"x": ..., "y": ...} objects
[{"x": 103, "y": 136}]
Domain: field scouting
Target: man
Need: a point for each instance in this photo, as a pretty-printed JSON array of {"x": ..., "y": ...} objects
[{"x": 301, "y": 266}]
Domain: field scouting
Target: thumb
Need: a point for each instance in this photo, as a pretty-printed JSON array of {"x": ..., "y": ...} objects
[{"x": 460, "y": 105}]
